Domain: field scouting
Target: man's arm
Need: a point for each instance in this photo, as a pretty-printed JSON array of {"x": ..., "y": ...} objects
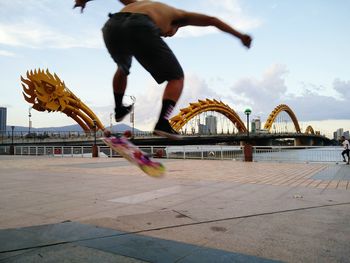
[
  {"x": 126, "y": 2},
  {"x": 196, "y": 19},
  {"x": 82, "y": 3}
]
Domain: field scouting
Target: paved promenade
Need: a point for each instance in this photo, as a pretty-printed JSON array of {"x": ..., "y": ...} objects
[{"x": 106, "y": 210}]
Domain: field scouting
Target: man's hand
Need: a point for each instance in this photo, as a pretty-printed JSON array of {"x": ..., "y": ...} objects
[
  {"x": 246, "y": 40},
  {"x": 81, "y": 3}
]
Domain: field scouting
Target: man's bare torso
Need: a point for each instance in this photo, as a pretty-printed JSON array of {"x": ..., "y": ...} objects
[{"x": 163, "y": 16}]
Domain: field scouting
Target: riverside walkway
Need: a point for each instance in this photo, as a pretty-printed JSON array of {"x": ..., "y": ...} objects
[{"x": 106, "y": 210}]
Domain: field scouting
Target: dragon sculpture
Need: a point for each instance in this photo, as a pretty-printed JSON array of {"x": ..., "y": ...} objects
[{"x": 48, "y": 93}]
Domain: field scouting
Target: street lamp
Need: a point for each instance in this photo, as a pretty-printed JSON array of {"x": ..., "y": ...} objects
[
  {"x": 30, "y": 122},
  {"x": 248, "y": 149},
  {"x": 94, "y": 147},
  {"x": 94, "y": 121},
  {"x": 132, "y": 116},
  {"x": 12, "y": 128},
  {"x": 12, "y": 148},
  {"x": 247, "y": 112},
  {"x": 110, "y": 120}
]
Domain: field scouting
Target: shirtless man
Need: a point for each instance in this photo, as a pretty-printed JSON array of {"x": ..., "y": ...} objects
[{"x": 136, "y": 31}]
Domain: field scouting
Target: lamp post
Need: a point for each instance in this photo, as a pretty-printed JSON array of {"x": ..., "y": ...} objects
[
  {"x": 132, "y": 116},
  {"x": 30, "y": 121},
  {"x": 110, "y": 121},
  {"x": 247, "y": 112},
  {"x": 248, "y": 149},
  {"x": 94, "y": 147},
  {"x": 12, "y": 147}
]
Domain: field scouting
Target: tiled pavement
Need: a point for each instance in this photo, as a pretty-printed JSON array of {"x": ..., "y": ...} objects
[{"x": 227, "y": 210}]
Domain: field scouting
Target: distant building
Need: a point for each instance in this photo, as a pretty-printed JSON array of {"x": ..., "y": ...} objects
[
  {"x": 202, "y": 129},
  {"x": 211, "y": 124},
  {"x": 3, "y": 120},
  {"x": 340, "y": 133},
  {"x": 255, "y": 125},
  {"x": 335, "y": 135}
]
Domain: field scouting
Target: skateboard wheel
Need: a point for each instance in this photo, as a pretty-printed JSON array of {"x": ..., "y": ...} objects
[{"x": 127, "y": 134}]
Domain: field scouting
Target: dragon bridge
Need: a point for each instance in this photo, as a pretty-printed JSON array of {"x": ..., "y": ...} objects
[
  {"x": 309, "y": 130},
  {"x": 194, "y": 109},
  {"x": 273, "y": 115},
  {"x": 48, "y": 93}
]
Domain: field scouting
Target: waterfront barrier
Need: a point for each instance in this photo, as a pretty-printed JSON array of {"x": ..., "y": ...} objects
[{"x": 207, "y": 152}]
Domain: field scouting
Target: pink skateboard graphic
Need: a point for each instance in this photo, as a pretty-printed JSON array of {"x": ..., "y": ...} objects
[{"x": 134, "y": 155}]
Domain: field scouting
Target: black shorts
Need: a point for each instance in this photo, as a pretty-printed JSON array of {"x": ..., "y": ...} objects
[{"x": 128, "y": 35}]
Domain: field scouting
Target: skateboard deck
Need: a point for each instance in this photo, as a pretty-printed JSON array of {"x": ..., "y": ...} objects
[{"x": 134, "y": 155}]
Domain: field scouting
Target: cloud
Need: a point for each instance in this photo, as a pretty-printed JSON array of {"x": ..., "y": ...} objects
[
  {"x": 229, "y": 11},
  {"x": 343, "y": 88},
  {"x": 264, "y": 94},
  {"x": 43, "y": 24},
  {"x": 314, "y": 107},
  {"x": 34, "y": 35},
  {"x": 7, "y": 53},
  {"x": 195, "y": 88},
  {"x": 261, "y": 94},
  {"x": 38, "y": 24}
]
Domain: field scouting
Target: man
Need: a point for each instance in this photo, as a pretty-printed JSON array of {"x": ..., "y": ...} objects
[
  {"x": 136, "y": 31},
  {"x": 346, "y": 151}
]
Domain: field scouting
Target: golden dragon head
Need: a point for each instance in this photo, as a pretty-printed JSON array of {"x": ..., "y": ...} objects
[{"x": 45, "y": 91}]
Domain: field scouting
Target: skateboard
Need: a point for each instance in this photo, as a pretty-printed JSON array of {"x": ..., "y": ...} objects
[{"x": 133, "y": 154}]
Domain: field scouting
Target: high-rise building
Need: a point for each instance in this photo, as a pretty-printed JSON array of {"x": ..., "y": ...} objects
[
  {"x": 211, "y": 124},
  {"x": 202, "y": 129},
  {"x": 346, "y": 134},
  {"x": 340, "y": 133},
  {"x": 3, "y": 120},
  {"x": 255, "y": 125},
  {"x": 335, "y": 135}
]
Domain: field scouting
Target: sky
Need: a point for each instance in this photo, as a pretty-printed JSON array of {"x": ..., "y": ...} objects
[{"x": 300, "y": 56}]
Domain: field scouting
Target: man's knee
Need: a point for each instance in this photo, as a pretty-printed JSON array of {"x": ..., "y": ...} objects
[
  {"x": 120, "y": 72},
  {"x": 177, "y": 82}
]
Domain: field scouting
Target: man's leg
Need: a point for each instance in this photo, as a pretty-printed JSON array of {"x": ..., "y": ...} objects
[
  {"x": 171, "y": 95},
  {"x": 343, "y": 154},
  {"x": 173, "y": 90},
  {"x": 119, "y": 87}
]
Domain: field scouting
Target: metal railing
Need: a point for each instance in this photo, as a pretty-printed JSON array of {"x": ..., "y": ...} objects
[
  {"x": 207, "y": 152},
  {"x": 297, "y": 154},
  {"x": 50, "y": 136},
  {"x": 170, "y": 152},
  {"x": 212, "y": 152}
]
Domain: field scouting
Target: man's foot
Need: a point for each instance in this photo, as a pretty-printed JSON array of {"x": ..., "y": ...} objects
[
  {"x": 122, "y": 111},
  {"x": 344, "y": 160},
  {"x": 163, "y": 128}
]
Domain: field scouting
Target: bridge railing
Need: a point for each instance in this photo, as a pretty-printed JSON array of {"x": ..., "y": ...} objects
[
  {"x": 208, "y": 152},
  {"x": 297, "y": 154},
  {"x": 170, "y": 152},
  {"x": 212, "y": 152}
]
